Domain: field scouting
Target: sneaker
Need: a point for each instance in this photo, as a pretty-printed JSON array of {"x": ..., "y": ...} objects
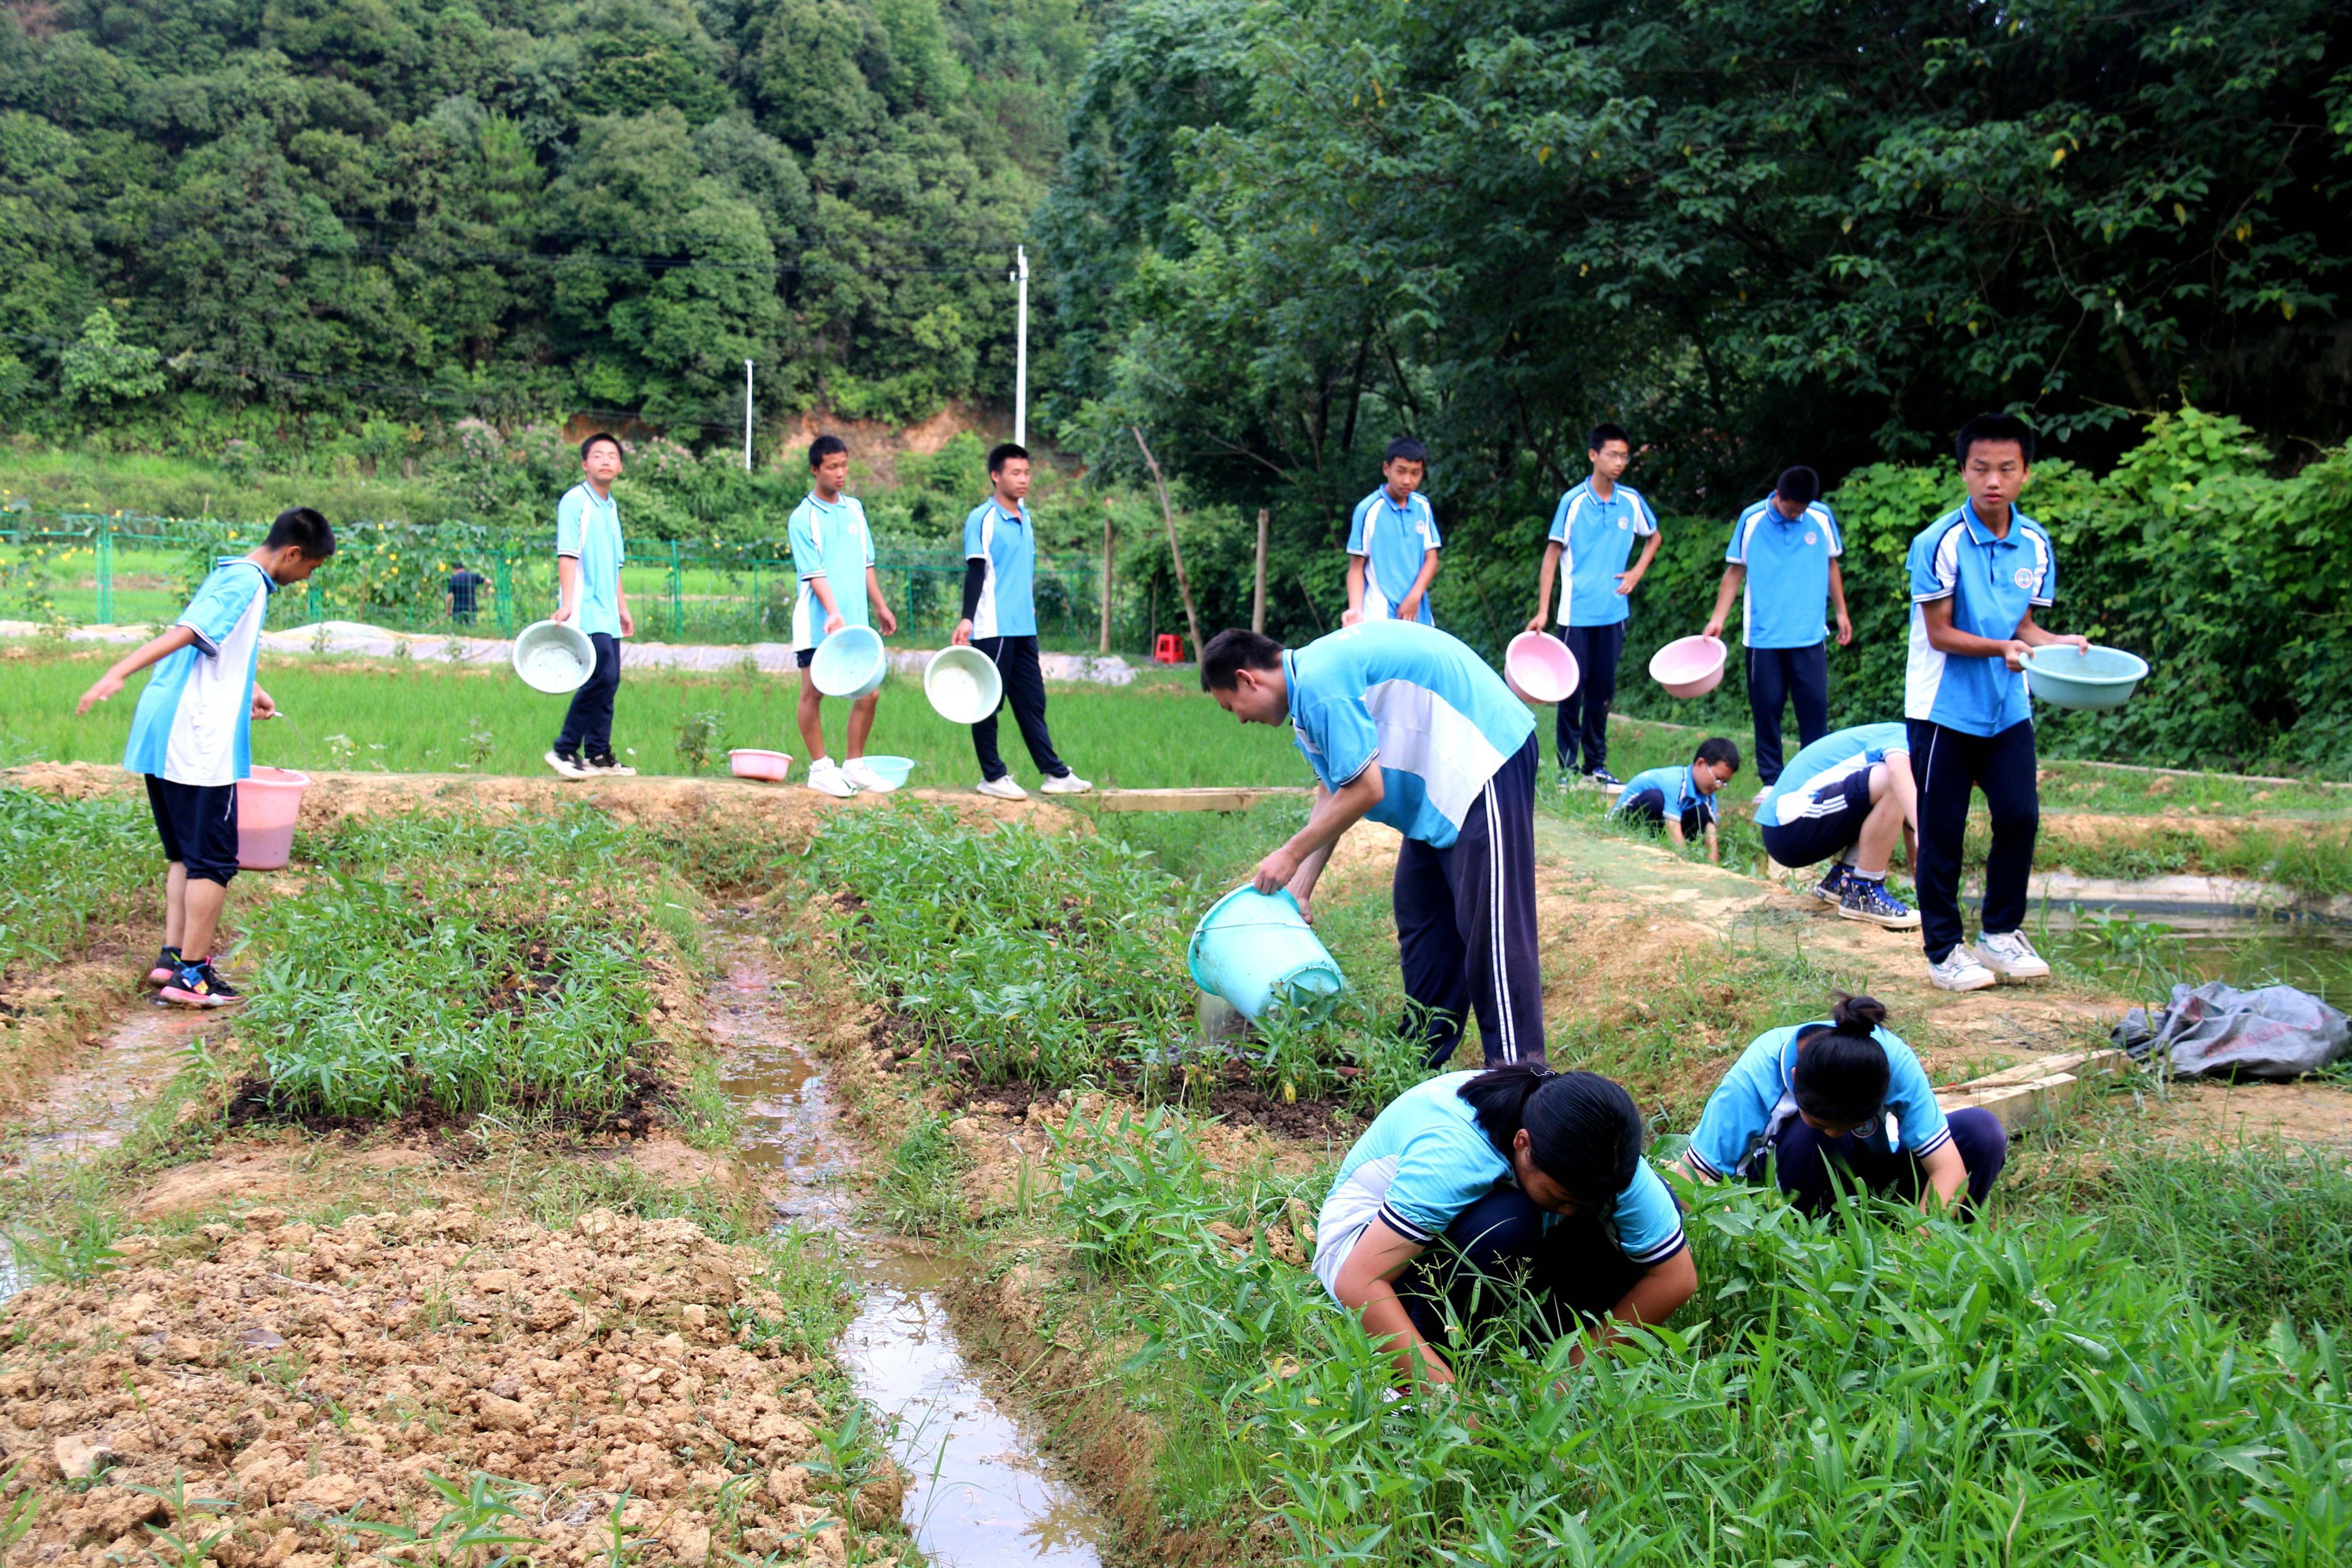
[
  {"x": 568, "y": 763},
  {"x": 1601, "y": 778},
  {"x": 610, "y": 766},
  {"x": 827, "y": 777},
  {"x": 1831, "y": 889},
  {"x": 1959, "y": 970},
  {"x": 1064, "y": 783},
  {"x": 863, "y": 777},
  {"x": 167, "y": 965},
  {"x": 2012, "y": 957},
  {"x": 199, "y": 985},
  {"x": 1005, "y": 788},
  {"x": 1867, "y": 898}
]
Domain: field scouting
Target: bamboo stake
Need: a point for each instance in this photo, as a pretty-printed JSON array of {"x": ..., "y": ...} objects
[{"x": 1175, "y": 552}]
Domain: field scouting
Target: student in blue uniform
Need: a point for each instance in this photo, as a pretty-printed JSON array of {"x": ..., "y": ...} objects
[
  {"x": 1682, "y": 800},
  {"x": 1000, "y": 618},
  {"x": 192, "y": 735},
  {"x": 1392, "y": 542},
  {"x": 1785, "y": 550},
  {"x": 1844, "y": 1095},
  {"x": 832, "y": 555},
  {"x": 1405, "y": 725},
  {"x": 588, "y": 554},
  {"x": 1848, "y": 799},
  {"x": 1534, "y": 1179},
  {"x": 1592, "y": 534},
  {"x": 1978, "y": 575}
]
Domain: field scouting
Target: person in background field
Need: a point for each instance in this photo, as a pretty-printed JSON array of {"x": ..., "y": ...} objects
[
  {"x": 1407, "y": 726},
  {"x": 1786, "y": 547},
  {"x": 192, "y": 735},
  {"x": 832, "y": 545},
  {"x": 1683, "y": 799},
  {"x": 1844, "y": 1096},
  {"x": 1592, "y": 534},
  {"x": 588, "y": 576},
  {"x": 1848, "y": 799},
  {"x": 1978, "y": 574},
  {"x": 1536, "y": 1181},
  {"x": 1000, "y": 618},
  {"x": 465, "y": 584},
  {"x": 1392, "y": 542}
]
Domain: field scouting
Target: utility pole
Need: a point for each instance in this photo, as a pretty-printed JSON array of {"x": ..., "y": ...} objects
[
  {"x": 747, "y": 416},
  {"x": 1102, "y": 642},
  {"x": 1021, "y": 348},
  {"x": 1258, "y": 600}
]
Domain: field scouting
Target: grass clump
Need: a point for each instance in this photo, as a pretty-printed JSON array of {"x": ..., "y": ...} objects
[
  {"x": 66, "y": 865},
  {"x": 461, "y": 967}
]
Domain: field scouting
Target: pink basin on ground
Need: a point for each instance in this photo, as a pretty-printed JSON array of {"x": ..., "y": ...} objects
[
  {"x": 1689, "y": 667},
  {"x": 266, "y": 805},
  {"x": 1540, "y": 667},
  {"x": 748, "y": 763}
]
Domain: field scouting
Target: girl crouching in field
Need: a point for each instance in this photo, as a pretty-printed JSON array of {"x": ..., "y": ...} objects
[
  {"x": 1534, "y": 1180},
  {"x": 1844, "y": 1095}
]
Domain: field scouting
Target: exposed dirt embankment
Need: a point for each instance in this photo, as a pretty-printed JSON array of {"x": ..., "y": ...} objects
[{"x": 296, "y": 1379}]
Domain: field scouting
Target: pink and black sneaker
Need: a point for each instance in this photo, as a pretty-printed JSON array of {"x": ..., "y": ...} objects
[
  {"x": 167, "y": 965},
  {"x": 198, "y": 986}
]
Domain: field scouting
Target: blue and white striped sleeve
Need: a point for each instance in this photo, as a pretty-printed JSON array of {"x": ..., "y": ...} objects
[
  {"x": 1935, "y": 562},
  {"x": 1726, "y": 1128},
  {"x": 1439, "y": 1173},
  {"x": 1648, "y": 1222},
  {"x": 1356, "y": 527},
  {"x": 220, "y": 604},
  {"x": 1830, "y": 528},
  {"x": 1646, "y": 521},
  {"x": 2045, "y": 591},
  {"x": 1912, "y": 1099},
  {"x": 569, "y": 524},
  {"x": 1561, "y": 517}
]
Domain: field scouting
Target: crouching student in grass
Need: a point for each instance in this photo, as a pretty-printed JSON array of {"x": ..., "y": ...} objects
[
  {"x": 1843, "y": 1099},
  {"x": 1848, "y": 798},
  {"x": 1473, "y": 1192},
  {"x": 1683, "y": 800},
  {"x": 192, "y": 735},
  {"x": 833, "y": 552}
]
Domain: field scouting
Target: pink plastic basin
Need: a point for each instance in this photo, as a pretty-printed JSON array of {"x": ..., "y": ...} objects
[
  {"x": 1540, "y": 667},
  {"x": 747, "y": 762},
  {"x": 266, "y": 805},
  {"x": 1689, "y": 667}
]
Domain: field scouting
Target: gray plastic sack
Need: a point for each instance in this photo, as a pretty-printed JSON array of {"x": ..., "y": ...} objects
[{"x": 2275, "y": 1032}]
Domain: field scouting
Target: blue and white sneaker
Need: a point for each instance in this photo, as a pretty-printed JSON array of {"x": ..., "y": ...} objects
[
  {"x": 1601, "y": 778},
  {"x": 1867, "y": 898},
  {"x": 1831, "y": 889}
]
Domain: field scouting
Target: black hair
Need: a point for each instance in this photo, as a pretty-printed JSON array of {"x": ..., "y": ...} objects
[
  {"x": 1582, "y": 1130},
  {"x": 1994, "y": 427},
  {"x": 1799, "y": 486},
  {"x": 1715, "y": 748},
  {"x": 1841, "y": 1075},
  {"x": 1002, "y": 453},
  {"x": 1604, "y": 434},
  {"x": 589, "y": 444},
  {"x": 825, "y": 446},
  {"x": 1235, "y": 649},
  {"x": 303, "y": 529},
  {"x": 1406, "y": 448}
]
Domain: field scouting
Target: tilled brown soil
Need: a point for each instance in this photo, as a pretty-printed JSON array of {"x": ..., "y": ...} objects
[{"x": 296, "y": 1380}]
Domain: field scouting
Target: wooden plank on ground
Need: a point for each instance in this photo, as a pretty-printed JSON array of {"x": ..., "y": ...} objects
[
  {"x": 2023, "y": 1094},
  {"x": 1211, "y": 798}
]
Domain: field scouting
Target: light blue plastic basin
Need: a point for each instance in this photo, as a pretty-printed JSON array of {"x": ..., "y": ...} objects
[
  {"x": 850, "y": 663},
  {"x": 892, "y": 770},
  {"x": 1250, "y": 945},
  {"x": 2103, "y": 677}
]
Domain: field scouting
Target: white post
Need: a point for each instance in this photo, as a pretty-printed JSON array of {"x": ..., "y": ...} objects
[
  {"x": 1021, "y": 349},
  {"x": 747, "y": 416}
]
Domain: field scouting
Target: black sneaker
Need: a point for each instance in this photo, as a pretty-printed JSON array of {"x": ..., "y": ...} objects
[
  {"x": 200, "y": 985},
  {"x": 612, "y": 767},
  {"x": 167, "y": 965},
  {"x": 1831, "y": 889},
  {"x": 568, "y": 763},
  {"x": 1601, "y": 778}
]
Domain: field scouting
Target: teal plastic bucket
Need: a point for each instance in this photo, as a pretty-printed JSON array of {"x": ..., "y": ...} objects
[
  {"x": 553, "y": 657},
  {"x": 892, "y": 771},
  {"x": 849, "y": 663},
  {"x": 2102, "y": 677},
  {"x": 1250, "y": 943}
]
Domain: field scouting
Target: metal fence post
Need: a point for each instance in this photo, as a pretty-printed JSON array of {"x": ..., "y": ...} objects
[
  {"x": 105, "y": 572},
  {"x": 675, "y": 609}
]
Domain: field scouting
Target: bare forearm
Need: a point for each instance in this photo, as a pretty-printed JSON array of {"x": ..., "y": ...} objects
[
  {"x": 1726, "y": 591},
  {"x": 1386, "y": 1321},
  {"x": 567, "y": 581},
  {"x": 151, "y": 652},
  {"x": 1837, "y": 589},
  {"x": 1335, "y": 812}
]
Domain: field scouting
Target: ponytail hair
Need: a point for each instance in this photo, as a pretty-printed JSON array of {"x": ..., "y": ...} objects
[
  {"x": 1841, "y": 1074},
  {"x": 1583, "y": 1128}
]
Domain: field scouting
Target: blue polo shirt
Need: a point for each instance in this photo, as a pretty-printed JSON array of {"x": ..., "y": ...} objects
[
  {"x": 588, "y": 527},
  {"x": 1786, "y": 600},
  {"x": 1992, "y": 583},
  {"x": 1826, "y": 763},
  {"x": 1675, "y": 787},
  {"x": 194, "y": 724},
  {"x": 829, "y": 540},
  {"x": 1417, "y": 701},
  {"x": 1735, "y": 1133},
  {"x": 1005, "y": 540},
  {"x": 1393, "y": 540},
  {"x": 1596, "y": 539}
]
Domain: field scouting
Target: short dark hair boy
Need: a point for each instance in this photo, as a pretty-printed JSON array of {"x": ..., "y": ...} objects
[
  {"x": 1005, "y": 452},
  {"x": 1994, "y": 427},
  {"x": 825, "y": 446},
  {"x": 604, "y": 436},
  {"x": 1682, "y": 800}
]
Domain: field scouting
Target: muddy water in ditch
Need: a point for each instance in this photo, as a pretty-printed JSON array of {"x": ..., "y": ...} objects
[{"x": 980, "y": 1495}]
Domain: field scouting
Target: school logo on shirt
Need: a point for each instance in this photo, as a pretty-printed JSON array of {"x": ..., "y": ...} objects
[
  {"x": 1625, "y": 523},
  {"x": 2024, "y": 578},
  {"x": 1811, "y": 538}
]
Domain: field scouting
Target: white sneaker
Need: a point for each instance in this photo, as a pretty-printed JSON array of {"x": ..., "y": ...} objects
[
  {"x": 1959, "y": 970},
  {"x": 827, "y": 777},
  {"x": 1004, "y": 789},
  {"x": 2010, "y": 956},
  {"x": 1064, "y": 783},
  {"x": 571, "y": 767},
  {"x": 858, "y": 773}
]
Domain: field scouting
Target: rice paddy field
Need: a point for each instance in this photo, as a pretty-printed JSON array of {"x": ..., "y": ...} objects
[{"x": 514, "y": 1054}]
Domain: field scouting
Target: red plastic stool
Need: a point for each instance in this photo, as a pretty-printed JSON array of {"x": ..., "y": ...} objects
[{"x": 1170, "y": 650}]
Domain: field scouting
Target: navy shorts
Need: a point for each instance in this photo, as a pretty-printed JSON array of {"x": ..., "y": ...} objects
[
  {"x": 197, "y": 824},
  {"x": 1650, "y": 806},
  {"x": 1832, "y": 824},
  {"x": 801, "y": 656}
]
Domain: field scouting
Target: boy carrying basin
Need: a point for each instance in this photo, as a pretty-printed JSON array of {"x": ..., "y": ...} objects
[
  {"x": 833, "y": 551},
  {"x": 192, "y": 737}
]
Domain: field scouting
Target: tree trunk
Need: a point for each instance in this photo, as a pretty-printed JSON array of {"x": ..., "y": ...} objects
[
  {"x": 1175, "y": 552},
  {"x": 1258, "y": 600},
  {"x": 1102, "y": 642}
]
